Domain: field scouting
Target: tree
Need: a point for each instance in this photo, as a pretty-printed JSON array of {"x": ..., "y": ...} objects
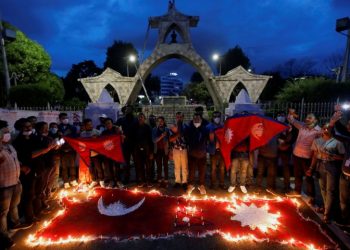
[
  {"x": 313, "y": 90},
  {"x": 273, "y": 86},
  {"x": 197, "y": 91},
  {"x": 233, "y": 58},
  {"x": 152, "y": 84},
  {"x": 294, "y": 68},
  {"x": 117, "y": 58},
  {"x": 72, "y": 86},
  {"x": 49, "y": 89},
  {"x": 26, "y": 58},
  {"x": 196, "y": 77}
]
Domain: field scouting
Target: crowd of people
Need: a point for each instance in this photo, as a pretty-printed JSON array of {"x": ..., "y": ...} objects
[{"x": 34, "y": 158}]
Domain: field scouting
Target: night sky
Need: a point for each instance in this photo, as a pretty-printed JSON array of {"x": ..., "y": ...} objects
[{"x": 269, "y": 31}]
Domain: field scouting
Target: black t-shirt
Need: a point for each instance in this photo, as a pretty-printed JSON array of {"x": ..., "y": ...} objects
[{"x": 25, "y": 147}]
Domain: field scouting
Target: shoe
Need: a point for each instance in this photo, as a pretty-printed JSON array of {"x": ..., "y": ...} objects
[
  {"x": 293, "y": 194},
  {"x": 223, "y": 187},
  {"x": 120, "y": 185},
  {"x": 190, "y": 188},
  {"x": 66, "y": 185},
  {"x": 102, "y": 184},
  {"x": 21, "y": 226},
  {"x": 202, "y": 190},
  {"x": 231, "y": 189},
  {"x": 176, "y": 185},
  {"x": 149, "y": 184},
  {"x": 111, "y": 184},
  {"x": 243, "y": 189},
  {"x": 74, "y": 183},
  {"x": 93, "y": 184},
  {"x": 140, "y": 185},
  {"x": 184, "y": 186},
  {"x": 213, "y": 186}
]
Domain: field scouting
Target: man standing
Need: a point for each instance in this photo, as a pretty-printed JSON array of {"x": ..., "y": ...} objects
[
  {"x": 160, "y": 137},
  {"x": 10, "y": 187},
  {"x": 179, "y": 151},
  {"x": 302, "y": 153},
  {"x": 67, "y": 152},
  {"x": 127, "y": 123},
  {"x": 197, "y": 136},
  {"x": 216, "y": 160},
  {"x": 143, "y": 151}
]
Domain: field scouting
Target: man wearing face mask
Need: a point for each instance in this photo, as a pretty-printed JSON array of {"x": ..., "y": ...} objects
[
  {"x": 55, "y": 160},
  {"x": 24, "y": 146},
  {"x": 179, "y": 151},
  {"x": 302, "y": 153},
  {"x": 327, "y": 159},
  {"x": 42, "y": 157},
  {"x": 67, "y": 153},
  {"x": 216, "y": 159},
  {"x": 285, "y": 147},
  {"x": 10, "y": 187},
  {"x": 33, "y": 120},
  {"x": 196, "y": 135}
]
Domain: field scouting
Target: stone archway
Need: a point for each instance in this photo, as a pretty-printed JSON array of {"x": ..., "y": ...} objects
[{"x": 219, "y": 87}]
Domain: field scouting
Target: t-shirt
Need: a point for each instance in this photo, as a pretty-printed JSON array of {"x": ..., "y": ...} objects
[
  {"x": 330, "y": 147},
  {"x": 304, "y": 141}
]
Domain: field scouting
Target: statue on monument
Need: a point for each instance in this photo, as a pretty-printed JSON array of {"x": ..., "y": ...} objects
[
  {"x": 171, "y": 4},
  {"x": 173, "y": 37}
]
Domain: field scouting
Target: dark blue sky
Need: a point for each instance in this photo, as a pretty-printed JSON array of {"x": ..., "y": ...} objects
[{"x": 269, "y": 31}]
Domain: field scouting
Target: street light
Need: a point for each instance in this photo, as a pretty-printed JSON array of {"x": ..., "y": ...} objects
[
  {"x": 217, "y": 58},
  {"x": 132, "y": 59},
  {"x": 11, "y": 35}
]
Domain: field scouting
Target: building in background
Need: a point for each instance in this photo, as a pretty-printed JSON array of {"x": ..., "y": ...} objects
[{"x": 171, "y": 85}]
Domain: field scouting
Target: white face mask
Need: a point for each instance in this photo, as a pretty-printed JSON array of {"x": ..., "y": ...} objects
[
  {"x": 65, "y": 121},
  {"x": 6, "y": 137},
  {"x": 217, "y": 120},
  {"x": 27, "y": 132},
  {"x": 33, "y": 130},
  {"x": 281, "y": 118},
  {"x": 53, "y": 130},
  {"x": 197, "y": 124}
]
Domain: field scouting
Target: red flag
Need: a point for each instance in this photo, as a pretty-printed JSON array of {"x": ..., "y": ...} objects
[
  {"x": 234, "y": 131},
  {"x": 124, "y": 214},
  {"x": 263, "y": 129},
  {"x": 79, "y": 145},
  {"x": 109, "y": 146},
  {"x": 258, "y": 128}
]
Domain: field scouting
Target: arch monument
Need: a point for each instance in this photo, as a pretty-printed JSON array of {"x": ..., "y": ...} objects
[{"x": 172, "y": 23}]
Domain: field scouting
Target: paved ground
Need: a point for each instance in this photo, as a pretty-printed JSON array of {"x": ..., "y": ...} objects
[{"x": 183, "y": 242}]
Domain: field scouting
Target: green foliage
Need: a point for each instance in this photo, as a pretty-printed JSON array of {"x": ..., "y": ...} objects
[
  {"x": 74, "y": 102},
  {"x": 27, "y": 59},
  {"x": 117, "y": 58},
  {"x": 152, "y": 84},
  {"x": 273, "y": 86},
  {"x": 233, "y": 58},
  {"x": 314, "y": 90},
  {"x": 49, "y": 89},
  {"x": 73, "y": 87},
  {"x": 198, "y": 92}
]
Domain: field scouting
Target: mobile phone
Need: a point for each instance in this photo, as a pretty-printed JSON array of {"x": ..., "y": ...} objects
[{"x": 345, "y": 106}]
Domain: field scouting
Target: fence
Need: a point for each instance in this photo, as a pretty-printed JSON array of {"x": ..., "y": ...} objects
[{"x": 323, "y": 110}]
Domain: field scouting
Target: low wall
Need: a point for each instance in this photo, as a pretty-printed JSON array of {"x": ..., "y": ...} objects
[{"x": 48, "y": 116}]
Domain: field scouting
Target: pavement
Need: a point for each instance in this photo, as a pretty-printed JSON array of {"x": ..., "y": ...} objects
[{"x": 184, "y": 242}]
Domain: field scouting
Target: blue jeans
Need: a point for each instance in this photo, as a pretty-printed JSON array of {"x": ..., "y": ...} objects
[
  {"x": 344, "y": 189},
  {"x": 329, "y": 183},
  {"x": 9, "y": 200},
  {"x": 239, "y": 165}
]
